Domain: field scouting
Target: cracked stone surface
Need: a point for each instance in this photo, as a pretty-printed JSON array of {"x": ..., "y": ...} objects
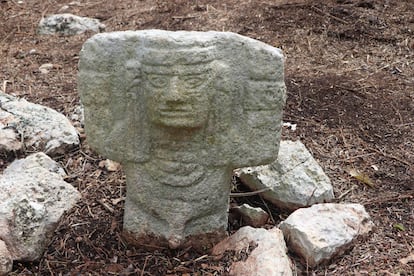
[
  {"x": 33, "y": 198},
  {"x": 294, "y": 180},
  {"x": 34, "y": 127},
  {"x": 268, "y": 258},
  {"x": 68, "y": 24},
  {"x": 323, "y": 231}
]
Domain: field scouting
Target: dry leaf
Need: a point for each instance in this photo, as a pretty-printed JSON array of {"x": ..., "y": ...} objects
[
  {"x": 408, "y": 259},
  {"x": 109, "y": 165},
  {"x": 399, "y": 226},
  {"x": 361, "y": 177}
]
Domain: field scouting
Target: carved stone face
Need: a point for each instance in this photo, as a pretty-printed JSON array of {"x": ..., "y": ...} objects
[{"x": 178, "y": 98}]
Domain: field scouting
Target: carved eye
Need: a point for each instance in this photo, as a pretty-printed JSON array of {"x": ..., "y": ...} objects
[
  {"x": 193, "y": 81},
  {"x": 159, "y": 81}
]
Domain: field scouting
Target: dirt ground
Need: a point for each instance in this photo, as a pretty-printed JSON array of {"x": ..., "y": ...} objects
[{"x": 350, "y": 79}]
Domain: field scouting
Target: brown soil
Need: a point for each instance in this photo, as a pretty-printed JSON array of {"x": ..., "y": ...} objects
[{"x": 350, "y": 78}]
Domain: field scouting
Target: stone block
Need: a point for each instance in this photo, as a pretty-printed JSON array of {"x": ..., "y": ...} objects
[
  {"x": 323, "y": 231},
  {"x": 294, "y": 180}
]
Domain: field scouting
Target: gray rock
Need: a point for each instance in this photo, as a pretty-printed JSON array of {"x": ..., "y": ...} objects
[
  {"x": 180, "y": 111},
  {"x": 6, "y": 261},
  {"x": 268, "y": 258},
  {"x": 9, "y": 138},
  {"x": 77, "y": 116},
  {"x": 33, "y": 199},
  {"x": 323, "y": 231},
  {"x": 295, "y": 179},
  {"x": 38, "y": 127},
  {"x": 255, "y": 217},
  {"x": 68, "y": 24}
]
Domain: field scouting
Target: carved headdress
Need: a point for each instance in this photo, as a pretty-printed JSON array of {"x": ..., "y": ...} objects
[{"x": 247, "y": 104}]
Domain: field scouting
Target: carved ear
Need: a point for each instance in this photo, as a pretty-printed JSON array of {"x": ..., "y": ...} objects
[
  {"x": 262, "y": 97},
  {"x": 221, "y": 75},
  {"x": 109, "y": 86}
]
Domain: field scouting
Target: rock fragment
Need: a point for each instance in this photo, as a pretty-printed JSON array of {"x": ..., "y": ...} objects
[
  {"x": 32, "y": 200},
  {"x": 268, "y": 258},
  {"x": 323, "y": 231},
  {"x": 252, "y": 216},
  {"x": 295, "y": 179},
  {"x": 39, "y": 128},
  {"x": 68, "y": 24},
  {"x": 6, "y": 261}
]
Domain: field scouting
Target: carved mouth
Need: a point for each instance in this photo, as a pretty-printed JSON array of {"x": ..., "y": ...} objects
[{"x": 177, "y": 112}]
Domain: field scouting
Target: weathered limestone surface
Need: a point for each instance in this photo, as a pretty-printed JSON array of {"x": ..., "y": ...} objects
[
  {"x": 269, "y": 258},
  {"x": 295, "y": 179},
  {"x": 34, "y": 126},
  {"x": 180, "y": 111},
  {"x": 323, "y": 231},
  {"x": 33, "y": 198},
  {"x": 252, "y": 216},
  {"x": 6, "y": 261},
  {"x": 68, "y": 24}
]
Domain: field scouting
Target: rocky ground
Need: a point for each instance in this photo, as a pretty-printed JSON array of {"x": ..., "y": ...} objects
[{"x": 350, "y": 79}]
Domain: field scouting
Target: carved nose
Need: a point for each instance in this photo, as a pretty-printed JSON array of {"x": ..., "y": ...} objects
[{"x": 174, "y": 94}]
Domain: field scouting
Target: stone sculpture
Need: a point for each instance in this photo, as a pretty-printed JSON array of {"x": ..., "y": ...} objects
[{"x": 180, "y": 111}]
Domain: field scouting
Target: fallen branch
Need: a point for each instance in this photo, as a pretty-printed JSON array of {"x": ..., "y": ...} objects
[
  {"x": 329, "y": 15},
  {"x": 390, "y": 198},
  {"x": 106, "y": 206},
  {"x": 392, "y": 157},
  {"x": 249, "y": 193}
]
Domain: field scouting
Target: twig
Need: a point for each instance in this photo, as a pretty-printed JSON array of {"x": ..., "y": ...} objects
[
  {"x": 145, "y": 264},
  {"x": 106, "y": 206},
  {"x": 388, "y": 199},
  {"x": 249, "y": 193},
  {"x": 329, "y": 15},
  {"x": 268, "y": 210},
  {"x": 79, "y": 224},
  {"x": 195, "y": 260},
  {"x": 49, "y": 268},
  {"x": 185, "y": 17},
  {"x": 345, "y": 193},
  {"x": 87, "y": 156},
  {"x": 392, "y": 157},
  {"x": 7, "y": 36},
  {"x": 357, "y": 156}
]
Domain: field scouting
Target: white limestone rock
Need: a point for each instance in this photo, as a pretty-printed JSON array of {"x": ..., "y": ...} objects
[
  {"x": 38, "y": 127},
  {"x": 252, "y": 216},
  {"x": 6, "y": 261},
  {"x": 68, "y": 24},
  {"x": 267, "y": 259},
  {"x": 9, "y": 138},
  {"x": 33, "y": 198},
  {"x": 295, "y": 179},
  {"x": 323, "y": 231}
]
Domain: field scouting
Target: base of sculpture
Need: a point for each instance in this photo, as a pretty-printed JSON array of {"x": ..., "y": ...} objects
[
  {"x": 174, "y": 213},
  {"x": 202, "y": 243}
]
